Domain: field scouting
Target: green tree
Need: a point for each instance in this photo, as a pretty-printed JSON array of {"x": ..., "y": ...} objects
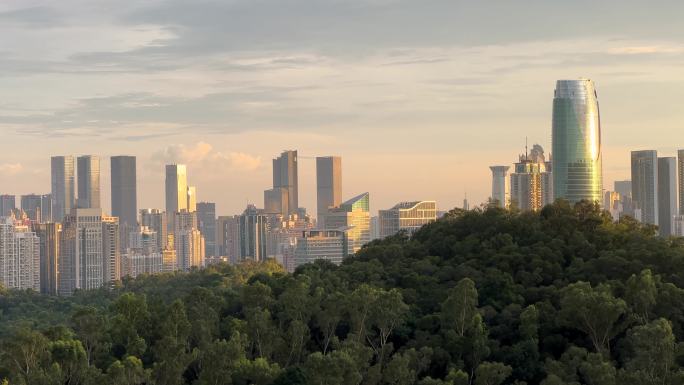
[
  {"x": 594, "y": 311},
  {"x": 460, "y": 307},
  {"x": 641, "y": 293},
  {"x": 89, "y": 325},
  {"x": 130, "y": 371},
  {"x": 492, "y": 373},
  {"x": 652, "y": 352}
]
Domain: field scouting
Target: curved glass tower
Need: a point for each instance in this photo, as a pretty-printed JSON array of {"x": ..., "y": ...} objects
[{"x": 577, "y": 173}]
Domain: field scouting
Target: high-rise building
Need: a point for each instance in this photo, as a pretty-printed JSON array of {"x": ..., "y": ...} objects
[
  {"x": 285, "y": 176},
  {"x": 81, "y": 260},
  {"x": 111, "y": 249},
  {"x": 8, "y": 203},
  {"x": 156, "y": 220},
  {"x": 63, "y": 187},
  {"x": 206, "y": 218},
  {"x": 50, "y": 236},
  {"x": 576, "y": 136},
  {"x": 189, "y": 248},
  {"x": 328, "y": 184},
  {"x": 680, "y": 174},
  {"x": 228, "y": 237},
  {"x": 19, "y": 256},
  {"x": 253, "y": 228},
  {"x": 645, "y": 184},
  {"x": 46, "y": 208},
  {"x": 530, "y": 182},
  {"x": 192, "y": 199},
  {"x": 31, "y": 204},
  {"x": 667, "y": 195},
  {"x": 124, "y": 191},
  {"x": 176, "y": 188},
  {"x": 328, "y": 245},
  {"x": 407, "y": 216},
  {"x": 501, "y": 189},
  {"x": 354, "y": 217},
  {"x": 276, "y": 201},
  {"x": 88, "y": 182}
]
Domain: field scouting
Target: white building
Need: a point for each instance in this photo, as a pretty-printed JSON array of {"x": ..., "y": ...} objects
[{"x": 19, "y": 256}]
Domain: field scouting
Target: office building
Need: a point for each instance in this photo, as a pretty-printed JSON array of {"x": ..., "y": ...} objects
[
  {"x": 124, "y": 191},
  {"x": 328, "y": 245},
  {"x": 49, "y": 235},
  {"x": 354, "y": 216},
  {"x": 111, "y": 249},
  {"x": 531, "y": 181},
  {"x": 328, "y": 184},
  {"x": 501, "y": 191},
  {"x": 253, "y": 228},
  {"x": 645, "y": 184},
  {"x": 192, "y": 199},
  {"x": 63, "y": 187},
  {"x": 206, "y": 218},
  {"x": 176, "y": 189},
  {"x": 156, "y": 220},
  {"x": 46, "y": 208},
  {"x": 138, "y": 264},
  {"x": 667, "y": 195},
  {"x": 407, "y": 216},
  {"x": 228, "y": 237},
  {"x": 19, "y": 256},
  {"x": 8, "y": 203},
  {"x": 680, "y": 179},
  {"x": 81, "y": 260},
  {"x": 285, "y": 177},
  {"x": 576, "y": 137},
  {"x": 88, "y": 182},
  {"x": 189, "y": 248},
  {"x": 276, "y": 201},
  {"x": 31, "y": 204}
]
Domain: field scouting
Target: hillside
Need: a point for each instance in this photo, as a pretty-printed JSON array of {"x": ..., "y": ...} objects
[{"x": 487, "y": 297}]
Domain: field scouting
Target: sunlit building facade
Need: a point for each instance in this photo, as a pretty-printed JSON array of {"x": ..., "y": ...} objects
[
  {"x": 63, "y": 186},
  {"x": 501, "y": 191},
  {"x": 88, "y": 182},
  {"x": 407, "y": 216},
  {"x": 328, "y": 245},
  {"x": 576, "y": 137},
  {"x": 531, "y": 181},
  {"x": 354, "y": 215},
  {"x": 645, "y": 184}
]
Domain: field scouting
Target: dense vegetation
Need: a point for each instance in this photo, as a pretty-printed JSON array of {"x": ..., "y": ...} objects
[{"x": 484, "y": 297}]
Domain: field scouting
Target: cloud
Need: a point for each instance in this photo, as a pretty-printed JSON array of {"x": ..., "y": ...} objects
[
  {"x": 11, "y": 169},
  {"x": 203, "y": 156}
]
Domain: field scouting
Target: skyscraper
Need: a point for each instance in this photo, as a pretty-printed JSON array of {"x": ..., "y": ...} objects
[
  {"x": 81, "y": 261},
  {"x": 645, "y": 184},
  {"x": 530, "y": 181},
  {"x": 63, "y": 192},
  {"x": 156, "y": 220},
  {"x": 19, "y": 256},
  {"x": 252, "y": 231},
  {"x": 46, "y": 208},
  {"x": 176, "y": 189},
  {"x": 206, "y": 218},
  {"x": 49, "y": 235},
  {"x": 667, "y": 194},
  {"x": 124, "y": 191},
  {"x": 31, "y": 205},
  {"x": 285, "y": 176},
  {"x": 680, "y": 172},
  {"x": 111, "y": 249},
  {"x": 501, "y": 190},
  {"x": 88, "y": 182},
  {"x": 192, "y": 199},
  {"x": 228, "y": 237},
  {"x": 328, "y": 184},
  {"x": 352, "y": 217},
  {"x": 576, "y": 136},
  {"x": 7, "y": 204}
]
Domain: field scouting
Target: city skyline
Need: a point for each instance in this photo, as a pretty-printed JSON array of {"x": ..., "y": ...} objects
[{"x": 236, "y": 105}]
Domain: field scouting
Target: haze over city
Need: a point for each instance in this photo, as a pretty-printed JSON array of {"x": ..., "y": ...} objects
[{"x": 414, "y": 112}]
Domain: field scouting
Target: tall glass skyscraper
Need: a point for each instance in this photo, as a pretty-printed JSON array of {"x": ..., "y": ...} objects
[{"x": 577, "y": 169}]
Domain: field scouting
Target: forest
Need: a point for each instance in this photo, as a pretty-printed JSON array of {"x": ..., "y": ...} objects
[{"x": 485, "y": 297}]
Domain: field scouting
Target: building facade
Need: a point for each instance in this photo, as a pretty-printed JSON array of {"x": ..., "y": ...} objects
[
  {"x": 50, "y": 236},
  {"x": 88, "y": 182},
  {"x": 63, "y": 186},
  {"x": 19, "y": 256},
  {"x": 328, "y": 185},
  {"x": 253, "y": 229},
  {"x": 354, "y": 216},
  {"x": 285, "y": 175},
  {"x": 176, "y": 188},
  {"x": 328, "y": 245},
  {"x": 206, "y": 218},
  {"x": 667, "y": 195},
  {"x": 124, "y": 191},
  {"x": 576, "y": 137},
  {"x": 407, "y": 216},
  {"x": 501, "y": 191},
  {"x": 645, "y": 184}
]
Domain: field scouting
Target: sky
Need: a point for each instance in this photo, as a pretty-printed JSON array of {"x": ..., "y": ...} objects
[{"x": 418, "y": 97}]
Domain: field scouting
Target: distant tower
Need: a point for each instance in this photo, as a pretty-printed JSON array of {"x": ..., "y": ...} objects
[
  {"x": 667, "y": 194},
  {"x": 176, "y": 188},
  {"x": 88, "y": 182},
  {"x": 124, "y": 191},
  {"x": 576, "y": 136},
  {"x": 328, "y": 185},
  {"x": 285, "y": 176},
  {"x": 531, "y": 180},
  {"x": 63, "y": 192},
  {"x": 645, "y": 184},
  {"x": 680, "y": 172},
  {"x": 501, "y": 190}
]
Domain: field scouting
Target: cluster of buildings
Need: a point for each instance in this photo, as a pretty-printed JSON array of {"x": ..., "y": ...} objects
[
  {"x": 654, "y": 195},
  {"x": 64, "y": 241}
]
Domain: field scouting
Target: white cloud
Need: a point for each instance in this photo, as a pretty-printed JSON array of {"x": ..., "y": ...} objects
[
  {"x": 11, "y": 169},
  {"x": 203, "y": 156}
]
